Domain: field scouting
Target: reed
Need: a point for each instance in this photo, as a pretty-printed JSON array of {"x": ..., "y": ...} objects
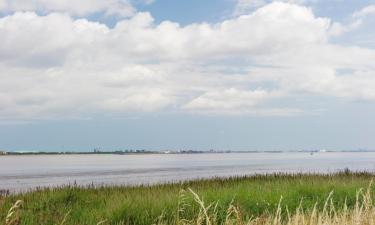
[
  {"x": 343, "y": 198},
  {"x": 363, "y": 213},
  {"x": 13, "y": 216}
]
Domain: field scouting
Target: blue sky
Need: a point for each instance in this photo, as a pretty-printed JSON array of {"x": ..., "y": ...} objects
[
  {"x": 186, "y": 12},
  {"x": 164, "y": 74}
]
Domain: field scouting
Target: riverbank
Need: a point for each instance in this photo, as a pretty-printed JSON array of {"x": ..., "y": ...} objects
[{"x": 253, "y": 196}]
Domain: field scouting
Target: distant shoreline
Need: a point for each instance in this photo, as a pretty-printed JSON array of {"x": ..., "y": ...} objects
[{"x": 146, "y": 152}]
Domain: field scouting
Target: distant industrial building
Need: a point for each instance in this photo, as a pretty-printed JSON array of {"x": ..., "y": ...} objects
[{"x": 3, "y": 153}]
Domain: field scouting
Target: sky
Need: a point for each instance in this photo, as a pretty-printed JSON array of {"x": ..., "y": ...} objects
[{"x": 168, "y": 74}]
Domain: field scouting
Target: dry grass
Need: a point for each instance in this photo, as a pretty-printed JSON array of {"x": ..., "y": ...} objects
[
  {"x": 13, "y": 216},
  {"x": 363, "y": 213},
  {"x": 306, "y": 199}
]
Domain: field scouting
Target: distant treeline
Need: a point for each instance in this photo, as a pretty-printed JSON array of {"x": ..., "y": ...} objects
[{"x": 123, "y": 152}]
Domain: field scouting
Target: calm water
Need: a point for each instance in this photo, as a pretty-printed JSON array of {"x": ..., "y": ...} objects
[{"x": 20, "y": 173}]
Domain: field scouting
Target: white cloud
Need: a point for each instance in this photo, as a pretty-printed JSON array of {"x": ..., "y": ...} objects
[
  {"x": 366, "y": 11},
  {"x": 247, "y": 6},
  {"x": 233, "y": 101},
  {"x": 55, "y": 66},
  {"x": 2, "y": 4},
  {"x": 79, "y": 8},
  {"x": 228, "y": 99},
  {"x": 147, "y": 2}
]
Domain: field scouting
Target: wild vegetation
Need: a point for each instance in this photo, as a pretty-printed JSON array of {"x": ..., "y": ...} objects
[{"x": 343, "y": 198}]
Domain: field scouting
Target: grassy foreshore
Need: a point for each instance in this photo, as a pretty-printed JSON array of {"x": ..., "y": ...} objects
[{"x": 217, "y": 201}]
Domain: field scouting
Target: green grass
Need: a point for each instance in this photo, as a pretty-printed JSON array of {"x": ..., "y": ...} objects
[{"x": 255, "y": 195}]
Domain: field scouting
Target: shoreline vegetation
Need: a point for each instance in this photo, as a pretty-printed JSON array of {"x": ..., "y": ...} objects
[
  {"x": 342, "y": 198},
  {"x": 143, "y": 151}
]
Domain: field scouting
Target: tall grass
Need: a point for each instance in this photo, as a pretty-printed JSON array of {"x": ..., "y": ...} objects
[
  {"x": 263, "y": 199},
  {"x": 13, "y": 216},
  {"x": 363, "y": 213}
]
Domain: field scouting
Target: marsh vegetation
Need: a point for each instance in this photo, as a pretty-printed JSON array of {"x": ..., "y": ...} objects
[{"x": 343, "y": 198}]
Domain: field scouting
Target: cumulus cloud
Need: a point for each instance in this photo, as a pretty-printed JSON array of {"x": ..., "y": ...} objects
[
  {"x": 366, "y": 11},
  {"x": 246, "y": 6},
  {"x": 78, "y": 8},
  {"x": 233, "y": 101},
  {"x": 57, "y": 66}
]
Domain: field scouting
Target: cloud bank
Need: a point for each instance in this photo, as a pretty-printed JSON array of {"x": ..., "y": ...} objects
[
  {"x": 76, "y": 8},
  {"x": 57, "y": 66}
]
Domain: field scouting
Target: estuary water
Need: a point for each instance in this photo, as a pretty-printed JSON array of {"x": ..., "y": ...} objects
[{"x": 23, "y": 173}]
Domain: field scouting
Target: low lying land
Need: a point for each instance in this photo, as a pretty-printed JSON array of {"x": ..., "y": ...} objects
[
  {"x": 143, "y": 151},
  {"x": 263, "y": 199}
]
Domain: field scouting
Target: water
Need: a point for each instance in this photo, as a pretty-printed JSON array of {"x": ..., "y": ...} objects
[{"x": 22, "y": 173}]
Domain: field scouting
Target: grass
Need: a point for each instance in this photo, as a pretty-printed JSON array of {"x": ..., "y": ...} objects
[{"x": 241, "y": 200}]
